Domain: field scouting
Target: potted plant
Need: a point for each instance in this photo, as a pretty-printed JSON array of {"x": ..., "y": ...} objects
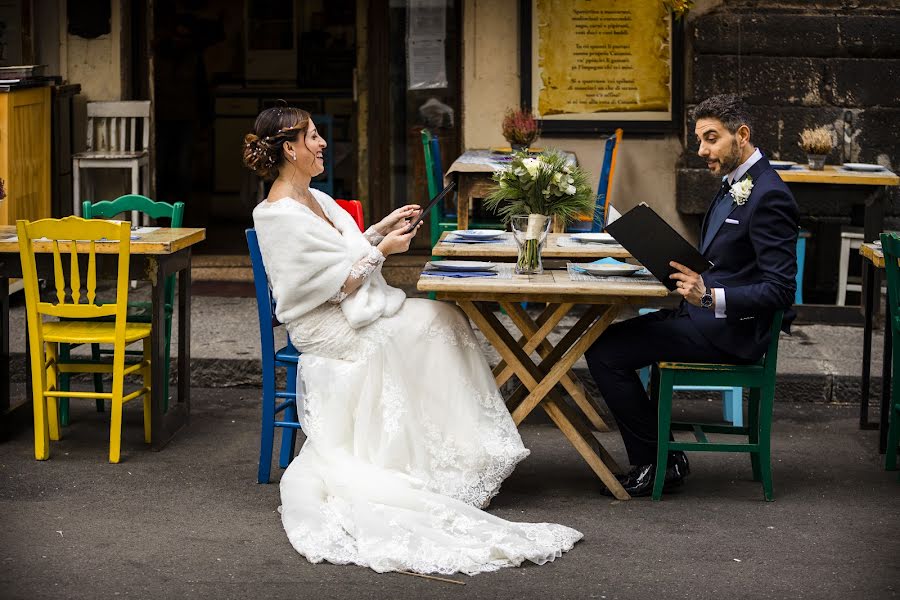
[
  {"x": 530, "y": 191},
  {"x": 520, "y": 128},
  {"x": 817, "y": 143}
]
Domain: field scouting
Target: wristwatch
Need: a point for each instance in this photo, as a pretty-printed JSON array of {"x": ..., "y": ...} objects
[{"x": 706, "y": 300}]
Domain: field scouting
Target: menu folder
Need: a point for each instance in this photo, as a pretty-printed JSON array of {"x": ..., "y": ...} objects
[{"x": 654, "y": 243}]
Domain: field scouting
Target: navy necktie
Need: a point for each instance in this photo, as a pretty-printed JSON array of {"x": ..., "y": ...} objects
[{"x": 721, "y": 208}]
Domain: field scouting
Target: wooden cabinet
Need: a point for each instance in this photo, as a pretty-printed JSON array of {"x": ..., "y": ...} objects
[{"x": 25, "y": 154}]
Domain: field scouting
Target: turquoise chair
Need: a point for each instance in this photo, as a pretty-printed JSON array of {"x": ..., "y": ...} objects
[
  {"x": 890, "y": 245},
  {"x": 138, "y": 312}
]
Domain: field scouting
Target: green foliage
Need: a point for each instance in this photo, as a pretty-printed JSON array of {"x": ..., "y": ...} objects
[{"x": 544, "y": 184}]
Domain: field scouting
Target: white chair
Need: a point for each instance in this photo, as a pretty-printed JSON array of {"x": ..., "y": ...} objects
[
  {"x": 850, "y": 241},
  {"x": 118, "y": 137}
]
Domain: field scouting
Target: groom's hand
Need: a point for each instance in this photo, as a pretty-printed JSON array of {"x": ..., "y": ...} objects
[{"x": 689, "y": 284}]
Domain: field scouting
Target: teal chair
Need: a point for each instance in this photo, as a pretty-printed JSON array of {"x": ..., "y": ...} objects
[
  {"x": 138, "y": 312},
  {"x": 759, "y": 377},
  {"x": 890, "y": 245}
]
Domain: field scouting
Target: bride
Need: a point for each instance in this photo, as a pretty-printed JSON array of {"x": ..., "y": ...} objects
[{"x": 407, "y": 436}]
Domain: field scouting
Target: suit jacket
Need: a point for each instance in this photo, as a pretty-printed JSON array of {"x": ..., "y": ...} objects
[{"x": 754, "y": 253}]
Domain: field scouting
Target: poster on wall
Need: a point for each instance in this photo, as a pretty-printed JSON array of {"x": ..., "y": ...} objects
[
  {"x": 591, "y": 67},
  {"x": 426, "y": 32}
]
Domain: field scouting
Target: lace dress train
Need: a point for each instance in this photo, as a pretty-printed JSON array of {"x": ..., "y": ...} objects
[{"x": 407, "y": 439}]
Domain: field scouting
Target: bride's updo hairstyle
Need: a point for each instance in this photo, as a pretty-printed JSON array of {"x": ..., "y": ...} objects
[{"x": 263, "y": 147}]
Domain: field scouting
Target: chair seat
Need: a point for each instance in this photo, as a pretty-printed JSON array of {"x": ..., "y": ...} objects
[
  {"x": 108, "y": 155},
  {"x": 288, "y": 354},
  {"x": 92, "y": 332},
  {"x": 725, "y": 368}
]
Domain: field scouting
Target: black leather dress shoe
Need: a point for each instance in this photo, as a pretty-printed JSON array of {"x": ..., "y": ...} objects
[{"x": 639, "y": 481}]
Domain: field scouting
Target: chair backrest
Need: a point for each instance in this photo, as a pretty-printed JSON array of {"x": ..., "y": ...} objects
[
  {"x": 118, "y": 126},
  {"x": 107, "y": 209},
  {"x": 890, "y": 246},
  {"x": 770, "y": 360},
  {"x": 325, "y": 181},
  {"x": 354, "y": 207},
  {"x": 604, "y": 186},
  {"x": 90, "y": 235},
  {"x": 431, "y": 179},
  {"x": 265, "y": 304}
]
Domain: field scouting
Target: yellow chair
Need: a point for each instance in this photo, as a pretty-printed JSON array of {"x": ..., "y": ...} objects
[{"x": 56, "y": 235}]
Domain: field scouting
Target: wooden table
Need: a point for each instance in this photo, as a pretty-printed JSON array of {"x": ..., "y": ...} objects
[
  {"x": 154, "y": 256},
  {"x": 538, "y": 379},
  {"x": 875, "y": 184},
  {"x": 873, "y": 258},
  {"x": 507, "y": 251},
  {"x": 473, "y": 170}
]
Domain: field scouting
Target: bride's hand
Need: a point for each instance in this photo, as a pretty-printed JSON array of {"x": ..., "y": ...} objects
[
  {"x": 397, "y": 241},
  {"x": 398, "y": 219}
]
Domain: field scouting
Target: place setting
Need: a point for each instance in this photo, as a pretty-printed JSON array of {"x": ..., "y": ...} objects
[
  {"x": 476, "y": 236},
  {"x": 587, "y": 239},
  {"x": 608, "y": 269},
  {"x": 862, "y": 167},
  {"x": 466, "y": 268}
]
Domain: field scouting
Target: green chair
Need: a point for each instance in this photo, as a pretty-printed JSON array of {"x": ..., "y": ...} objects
[
  {"x": 890, "y": 245},
  {"x": 138, "y": 312},
  {"x": 440, "y": 219},
  {"x": 759, "y": 378}
]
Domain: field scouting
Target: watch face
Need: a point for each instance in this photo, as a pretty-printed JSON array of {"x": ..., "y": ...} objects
[{"x": 706, "y": 300}]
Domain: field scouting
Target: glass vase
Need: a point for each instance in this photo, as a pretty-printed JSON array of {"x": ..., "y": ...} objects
[
  {"x": 816, "y": 162},
  {"x": 530, "y": 233}
]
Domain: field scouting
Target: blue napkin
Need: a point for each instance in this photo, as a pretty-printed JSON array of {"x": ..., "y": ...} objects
[{"x": 443, "y": 273}]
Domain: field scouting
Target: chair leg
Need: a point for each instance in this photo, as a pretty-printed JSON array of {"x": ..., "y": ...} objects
[
  {"x": 843, "y": 268},
  {"x": 735, "y": 398},
  {"x": 767, "y": 399},
  {"x": 727, "y": 407},
  {"x": 890, "y": 453},
  {"x": 41, "y": 424},
  {"x": 98, "y": 377},
  {"x": 753, "y": 437},
  {"x": 289, "y": 434},
  {"x": 147, "y": 382},
  {"x": 266, "y": 437},
  {"x": 76, "y": 188},
  {"x": 51, "y": 381},
  {"x": 115, "y": 428},
  {"x": 64, "y": 355},
  {"x": 664, "y": 424}
]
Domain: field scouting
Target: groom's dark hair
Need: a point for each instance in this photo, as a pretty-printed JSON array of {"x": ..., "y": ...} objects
[{"x": 731, "y": 110}]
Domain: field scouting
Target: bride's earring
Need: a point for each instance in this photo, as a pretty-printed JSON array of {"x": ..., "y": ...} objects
[{"x": 293, "y": 155}]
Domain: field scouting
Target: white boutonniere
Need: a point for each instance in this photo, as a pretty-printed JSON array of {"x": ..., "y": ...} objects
[{"x": 740, "y": 191}]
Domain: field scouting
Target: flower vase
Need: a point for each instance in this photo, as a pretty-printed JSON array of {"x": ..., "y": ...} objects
[
  {"x": 816, "y": 162},
  {"x": 530, "y": 233}
]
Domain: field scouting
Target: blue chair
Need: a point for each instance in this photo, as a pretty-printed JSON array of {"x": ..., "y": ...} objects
[
  {"x": 732, "y": 397},
  {"x": 277, "y": 401},
  {"x": 325, "y": 181},
  {"x": 274, "y": 401},
  {"x": 801, "y": 260},
  {"x": 597, "y": 223}
]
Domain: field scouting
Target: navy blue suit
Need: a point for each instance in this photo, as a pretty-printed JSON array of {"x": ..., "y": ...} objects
[{"x": 754, "y": 252}]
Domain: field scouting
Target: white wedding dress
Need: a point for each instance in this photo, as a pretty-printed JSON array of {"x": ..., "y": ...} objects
[{"x": 407, "y": 439}]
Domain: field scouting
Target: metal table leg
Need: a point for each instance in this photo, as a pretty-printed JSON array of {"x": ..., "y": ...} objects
[
  {"x": 870, "y": 284},
  {"x": 885, "y": 382}
]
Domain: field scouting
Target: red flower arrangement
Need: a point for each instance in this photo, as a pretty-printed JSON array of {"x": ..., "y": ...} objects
[{"x": 520, "y": 127}]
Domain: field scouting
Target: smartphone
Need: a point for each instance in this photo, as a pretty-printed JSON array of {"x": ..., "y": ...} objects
[{"x": 434, "y": 201}]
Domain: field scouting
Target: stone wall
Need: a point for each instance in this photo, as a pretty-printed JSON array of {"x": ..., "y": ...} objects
[{"x": 799, "y": 64}]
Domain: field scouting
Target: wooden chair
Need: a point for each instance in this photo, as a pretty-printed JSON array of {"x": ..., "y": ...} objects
[
  {"x": 138, "y": 312},
  {"x": 118, "y": 137},
  {"x": 760, "y": 378},
  {"x": 46, "y": 364},
  {"x": 275, "y": 401},
  {"x": 890, "y": 245}
]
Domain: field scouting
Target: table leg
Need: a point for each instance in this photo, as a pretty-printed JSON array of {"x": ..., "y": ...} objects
[
  {"x": 569, "y": 380},
  {"x": 540, "y": 380},
  {"x": 886, "y": 365},
  {"x": 158, "y": 434},
  {"x": 873, "y": 225},
  {"x": 5, "y": 391},
  {"x": 870, "y": 285},
  {"x": 463, "y": 200},
  {"x": 184, "y": 339}
]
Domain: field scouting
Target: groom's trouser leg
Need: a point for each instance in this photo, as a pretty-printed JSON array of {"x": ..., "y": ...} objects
[{"x": 629, "y": 345}]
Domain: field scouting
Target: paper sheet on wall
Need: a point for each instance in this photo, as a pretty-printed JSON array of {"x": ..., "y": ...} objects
[{"x": 425, "y": 44}]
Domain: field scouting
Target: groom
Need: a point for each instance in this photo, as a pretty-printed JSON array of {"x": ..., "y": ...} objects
[{"x": 749, "y": 233}]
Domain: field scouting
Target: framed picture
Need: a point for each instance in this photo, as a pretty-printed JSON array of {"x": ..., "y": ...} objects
[{"x": 589, "y": 67}]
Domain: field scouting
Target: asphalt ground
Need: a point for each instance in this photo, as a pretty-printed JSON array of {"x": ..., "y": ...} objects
[{"x": 190, "y": 521}]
